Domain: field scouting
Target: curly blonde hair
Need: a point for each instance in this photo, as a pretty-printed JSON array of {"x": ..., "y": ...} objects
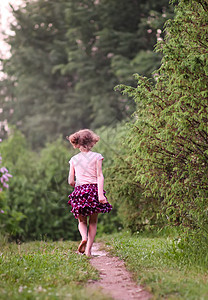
[{"x": 83, "y": 139}]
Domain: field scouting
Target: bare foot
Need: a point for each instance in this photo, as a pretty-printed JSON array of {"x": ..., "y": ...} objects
[
  {"x": 88, "y": 254},
  {"x": 82, "y": 246}
]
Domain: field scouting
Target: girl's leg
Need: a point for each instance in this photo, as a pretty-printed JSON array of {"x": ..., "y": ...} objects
[
  {"x": 91, "y": 233},
  {"x": 82, "y": 226}
]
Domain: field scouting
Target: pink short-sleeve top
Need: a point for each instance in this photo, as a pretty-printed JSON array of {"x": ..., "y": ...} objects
[{"x": 85, "y": 165}]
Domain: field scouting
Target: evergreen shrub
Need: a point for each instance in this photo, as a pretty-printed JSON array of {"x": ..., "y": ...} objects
[{"x": 168, "y": 140}]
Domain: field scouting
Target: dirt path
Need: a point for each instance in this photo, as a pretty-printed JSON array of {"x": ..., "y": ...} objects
[{"x": 115, "y": 280}]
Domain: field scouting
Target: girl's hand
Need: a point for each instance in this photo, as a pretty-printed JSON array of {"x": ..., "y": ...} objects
[{"x": 102, "y": 199}]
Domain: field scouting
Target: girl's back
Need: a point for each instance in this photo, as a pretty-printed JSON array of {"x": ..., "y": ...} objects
[{"x": 85, "y": 165}]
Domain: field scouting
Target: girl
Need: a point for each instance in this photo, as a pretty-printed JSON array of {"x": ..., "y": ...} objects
[{"x": 88, "y": 197}]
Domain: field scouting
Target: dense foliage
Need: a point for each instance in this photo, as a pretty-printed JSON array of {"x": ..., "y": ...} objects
[
  {"x": 67, "y": 56},
  {"x": 38, "y": 190},
  {"x": 159, "y": 175},
  {"x": 136, "y": 211},
  {"x": 37, "y": 197},
  {"x": 168, "y": 141}
]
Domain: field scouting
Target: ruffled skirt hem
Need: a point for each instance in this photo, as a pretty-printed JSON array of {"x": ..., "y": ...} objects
[{"x": 84, "y": 201}]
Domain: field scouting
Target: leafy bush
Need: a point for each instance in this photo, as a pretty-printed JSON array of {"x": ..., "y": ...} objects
[
  {"x": 126, "y": 194},
  {"x": 168, "y": 142},
  {"x": 38, "y": 194},
  {"x": 39, "y": 189}
]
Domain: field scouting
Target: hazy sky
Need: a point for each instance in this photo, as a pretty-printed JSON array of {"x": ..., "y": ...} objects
[{"x": 5, "y": 19}]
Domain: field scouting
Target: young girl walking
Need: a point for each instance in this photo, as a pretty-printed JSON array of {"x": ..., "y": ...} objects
[{"x": 88, "y": 197}]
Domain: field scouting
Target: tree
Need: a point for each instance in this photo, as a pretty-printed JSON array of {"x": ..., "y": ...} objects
[
  {"x": 169, "y": 137},
  {"x": 40, "y": 97},
  {"x": 66, "y": 57}
]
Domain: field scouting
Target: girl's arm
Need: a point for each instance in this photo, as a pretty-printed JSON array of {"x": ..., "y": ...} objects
[
  {"x": 100, "y": 182},
  {"x": 71, "y": 175}
]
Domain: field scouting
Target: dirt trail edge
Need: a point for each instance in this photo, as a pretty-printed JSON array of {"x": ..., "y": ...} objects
[{"x": 115, "y": 280}]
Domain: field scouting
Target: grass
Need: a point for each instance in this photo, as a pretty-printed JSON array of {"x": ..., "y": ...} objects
[
  {"x": 45, "y": 270},
  {"x": 52, "y": 270},
  {"x": 161, "y": 266}
]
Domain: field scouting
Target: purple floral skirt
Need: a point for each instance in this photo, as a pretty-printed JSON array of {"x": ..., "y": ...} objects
[{"x": 84, "y": 201}]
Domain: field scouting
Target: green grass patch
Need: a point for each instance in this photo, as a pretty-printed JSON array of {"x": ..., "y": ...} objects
[
  {"x": 161, "y": 266},
  {"x": 45, "y": 270}
]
